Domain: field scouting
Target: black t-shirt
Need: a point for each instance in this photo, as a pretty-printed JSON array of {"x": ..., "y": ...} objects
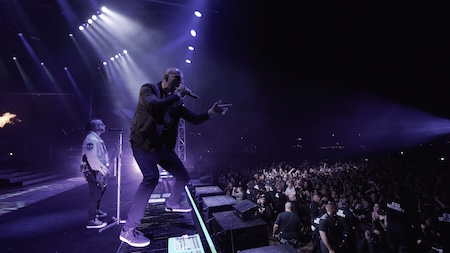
[
  {"x": 443, "y": 227},
  {"x": 333, "y": 228},
  {"x": 279, "y": 199},
  {"x": 347, "y": 219},
  {"x": 314, "y": 210},
  {"x": 289, "y": 225},
  {"x": 398, "y": 213}
]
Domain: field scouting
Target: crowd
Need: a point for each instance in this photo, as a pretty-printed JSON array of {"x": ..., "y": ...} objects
[{"x": 382, "y": 205}]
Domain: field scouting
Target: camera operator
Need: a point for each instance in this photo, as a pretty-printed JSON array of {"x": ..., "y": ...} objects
[
  {"x": 237, "y": 193},
  {"x": 264, "y": 209},
  {"x": 373, "y": 242}
]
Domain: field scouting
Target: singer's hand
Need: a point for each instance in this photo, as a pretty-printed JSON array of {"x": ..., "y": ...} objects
[
  {"x": 183, "y": 91},
  {"x": 218, "y": 109}
]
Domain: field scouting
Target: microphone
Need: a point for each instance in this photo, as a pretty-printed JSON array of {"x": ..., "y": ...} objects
[
  {"x": 192, "y": 95},
  {"x": 115, "y": 129},
  {"x": 186, "y": 91}
]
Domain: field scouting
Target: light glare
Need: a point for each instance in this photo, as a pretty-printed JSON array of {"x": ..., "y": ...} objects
[{"x": 198, "y": 14}]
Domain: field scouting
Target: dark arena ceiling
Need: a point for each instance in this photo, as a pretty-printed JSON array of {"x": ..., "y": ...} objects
[{"x": 310, "y": 69}]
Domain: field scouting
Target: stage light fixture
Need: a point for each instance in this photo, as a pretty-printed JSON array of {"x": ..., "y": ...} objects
[
  {"x": 193, "y": 33},
  {"x": 90, "y": 21},
  {"x": 70, "y": 34},
  {"x": 20, "y": 34},
  {"x": 188, "y": 61},
  {"x": 191, "y": 48},
  {"x": 83, "y": 26},
  {"x": 14, "y": 58},
  {"x": 198, "y": 14},
  {"x": 114, "y": 57},
  {"x": 42, "y": 63}
]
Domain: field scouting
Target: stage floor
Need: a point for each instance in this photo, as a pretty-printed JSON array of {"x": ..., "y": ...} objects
[{"x": 51, "y": 217}]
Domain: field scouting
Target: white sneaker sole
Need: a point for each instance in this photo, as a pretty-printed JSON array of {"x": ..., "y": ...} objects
[
  {"x": 143, "y": 244},
  {"x": 177, "y": 210},
  {"x": 97, "y": 226}
]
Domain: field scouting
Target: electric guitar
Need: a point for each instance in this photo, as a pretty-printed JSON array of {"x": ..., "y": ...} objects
[{"x": 97, "y": 176}]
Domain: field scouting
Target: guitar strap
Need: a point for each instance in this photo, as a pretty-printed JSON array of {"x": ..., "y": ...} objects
[
  {"x": 284, "y": 241},
  {"x": 287, "y": 223}
]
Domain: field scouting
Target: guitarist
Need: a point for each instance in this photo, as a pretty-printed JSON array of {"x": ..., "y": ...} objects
[{"x": 94, "y": 166}]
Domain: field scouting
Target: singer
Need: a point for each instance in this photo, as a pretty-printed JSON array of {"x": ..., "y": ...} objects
[{"x": 153, "y": 137}]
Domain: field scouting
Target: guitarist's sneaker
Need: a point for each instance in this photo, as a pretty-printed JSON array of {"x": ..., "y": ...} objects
[
  {"x": 100, "y": 214},
  {"x": 95, "y": 223},
  {"x": 134, "y": 237}
]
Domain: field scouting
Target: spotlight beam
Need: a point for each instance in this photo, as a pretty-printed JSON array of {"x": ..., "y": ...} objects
[{"x": 178, "y": 5}]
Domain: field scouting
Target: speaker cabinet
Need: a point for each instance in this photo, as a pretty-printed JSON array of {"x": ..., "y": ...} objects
[
  {"x": 232, "y": 234},
  {"x": 246, "y": 210},
  {"x": 214, "y": 204},
  {"x": 206, "y": 191}
]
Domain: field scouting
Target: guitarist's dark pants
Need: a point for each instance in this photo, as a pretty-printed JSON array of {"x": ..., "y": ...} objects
[{"x": 96, "y": 192}]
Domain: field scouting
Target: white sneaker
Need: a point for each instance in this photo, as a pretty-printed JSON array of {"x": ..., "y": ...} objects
[
  {"x": 95, "y": 223},
  {"x": 134, "y": 238}
]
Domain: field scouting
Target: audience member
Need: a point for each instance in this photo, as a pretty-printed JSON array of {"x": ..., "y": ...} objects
[
  {"x": 399, "y": 222},
  {"x": 425, "y": 235},
  {"x": 379, "y": 220},
  {"x": 350, "y": 223},
  {"x": 367, "y": 187},
  {"x": 238, "y": 193},
  {"x": 331, "y": 231}
]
